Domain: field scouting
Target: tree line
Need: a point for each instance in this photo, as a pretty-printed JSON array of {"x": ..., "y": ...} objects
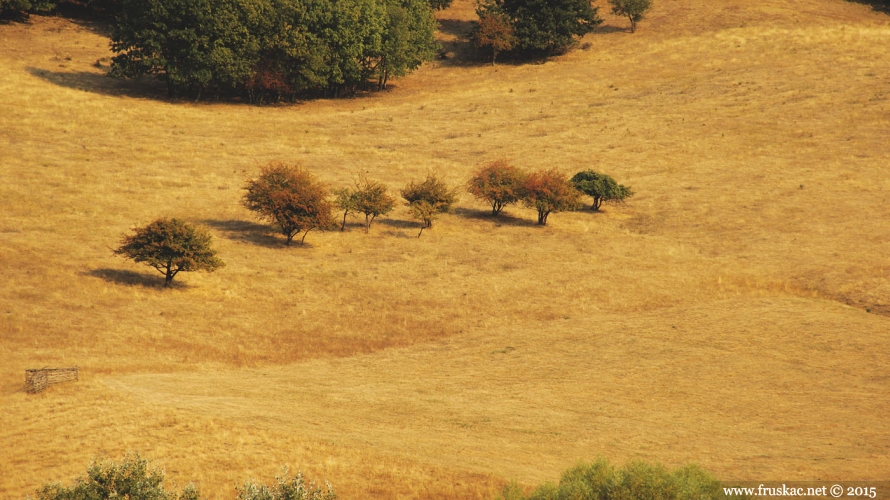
[
  {"x": 271, "y": 50},
  {"x": 262, "y": 50},
  {"x": 296, "y": 202}
]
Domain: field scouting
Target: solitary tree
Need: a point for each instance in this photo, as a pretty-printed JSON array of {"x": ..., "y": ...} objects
[
  {"x": 631, "y": 9},
  {"x": 549, "y": 191},
  {"x": 290, "y": 197},
  {"x": 600, "y": 187},
  {"x": 367, "y": 197},
  {"x": 494, "y": 32},
  {"x": 498, "y": 183},
  {"x": 428, "y": 199},
  {"x": 171, "y": 246}
]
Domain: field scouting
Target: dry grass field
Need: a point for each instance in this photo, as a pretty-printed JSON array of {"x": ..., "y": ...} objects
[{"x": 735, "y": 313}]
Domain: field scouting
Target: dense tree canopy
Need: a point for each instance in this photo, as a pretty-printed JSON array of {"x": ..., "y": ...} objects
[
  {"x": 600, "y": 187},
  {"x": 498, "y": 184},
  {"x": 171, "y": 246},
  {"x": 428, "y": 199},
  {"x": 271, "y": 49},
  {"x": 290, "y": 197},
  {"x": 547, "y": 25},
  {"x": 549, "y": 191}
]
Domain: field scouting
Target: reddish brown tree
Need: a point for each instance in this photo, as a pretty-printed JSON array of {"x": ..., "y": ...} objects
[
  {"x": 550, "y": 191},
  {"x": 497, "y": 183},
  {"x": 291, "y": 197},
  {"x": 494, "y": 32}
]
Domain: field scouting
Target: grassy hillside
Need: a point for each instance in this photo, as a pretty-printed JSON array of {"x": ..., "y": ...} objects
[{"x": 719, "y": 317}]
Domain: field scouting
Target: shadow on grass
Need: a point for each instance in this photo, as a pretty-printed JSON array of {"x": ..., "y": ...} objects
[
  {"x": 99, "y": 83},
  {"x": 253, "y": 233},
  {"x": 502, "y": 219},
  {"x": 132, "y": 278},
  {"x": 877, "y": 5},
  {"x": 398, "y": 223}
]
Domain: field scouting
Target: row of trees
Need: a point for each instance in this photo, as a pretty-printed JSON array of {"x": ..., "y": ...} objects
[
  {"x": 295, "y": 202},
  {"x": 271, "y": 49}
]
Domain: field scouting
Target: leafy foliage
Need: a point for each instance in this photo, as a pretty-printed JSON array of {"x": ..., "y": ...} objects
[
  {"x": 602, "y": 481},
  {"x": 286, "y": 488},
  {"x": 171, "y": 246},
  {"x": 549, "y": 191},
  {"x": 268, "y": 50},
  {"x": 14, "y": 8},
  {"x": 633, "y": 10},
  {"x": 498, "y": 183},
  {"x": 545, "y": 25},
  {"x": 494, "y": 32},
  {"x": 407, "y": 40},
  {"x": 367, "y": 197},
  {"x": 440, "y": 4},
  {"x": 132, "y": 478},
  {"x": 291, "y": 198},
  {"x": 428, "y": 199},
  {"x": 600, "y": 187}
]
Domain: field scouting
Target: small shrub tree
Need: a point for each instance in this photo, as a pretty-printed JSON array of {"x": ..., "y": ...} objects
[
  {"x": 286, "y": 488},
  {"x": 290, "y": 197},
  {"x": 497, "y": 183},
  {"x": 636, "y": 480},
  {"x": 549, "y": 191},
  {"x": 428, "y": 199},
  {"x": 171, "y": 246},
  {"x": 493, "y": 32},
  {"x": 633, "y": 10},
  {"x": 367, "y": 197},
  {"x": 132, "y": 478},
  {"x": 600, "y": 187}
]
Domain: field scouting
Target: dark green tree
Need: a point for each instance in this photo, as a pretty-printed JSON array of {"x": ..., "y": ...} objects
[
  {"x": 171, "y": 246},
  {"x": 290, "y": 197},
  {"x": 194, "y": 45},
  {"x": 409, "y": 39},
  {"x": 601, "y": 187},
  {"x": 440, "y": 4},
  {"x": 633, "y": 10},
  {"x": 545, "y": 25}
]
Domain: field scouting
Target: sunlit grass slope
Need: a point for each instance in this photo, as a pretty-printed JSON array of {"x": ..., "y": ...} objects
[{"x": 720, "y": 316}]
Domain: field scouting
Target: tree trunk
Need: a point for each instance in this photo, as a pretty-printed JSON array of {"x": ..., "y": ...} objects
[
  {"x": 633, "y": 25},
  {"x": 169, "y": 275},
  {"x": 303, "y": 240},
  {"x": 542, "y": 217},
  {"x": 343, "y": 226}
]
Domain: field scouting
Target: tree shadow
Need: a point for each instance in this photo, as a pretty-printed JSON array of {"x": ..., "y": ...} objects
[
  {"x": 876, "y": 5},
  {"x": 133, "y": 278},
  {"x": 606, "y": 29},
  {"x": 502, "y": 219},
  {"x": 399, "y": 223},
  {"x": 250, "y": 232},
  {"x": 99, "y": 83}
]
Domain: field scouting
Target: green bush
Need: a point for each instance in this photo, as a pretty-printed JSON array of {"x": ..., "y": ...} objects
[
  {"x": 286, "y": 488},
  {"x": 600, "y": 480},
  {"x": 132, "y": 478}
]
